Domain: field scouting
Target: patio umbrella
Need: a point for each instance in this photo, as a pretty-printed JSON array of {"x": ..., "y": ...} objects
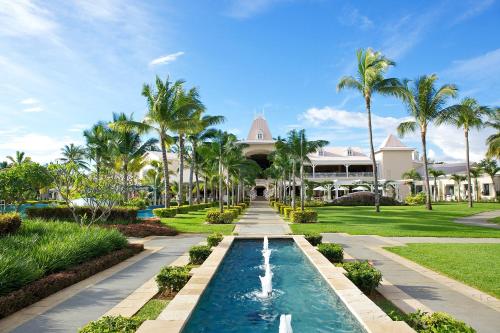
[
  {"x": 359, "y": 188},
  {"x": 319, "y": 188},
  {"x": 343, "y": 188}
]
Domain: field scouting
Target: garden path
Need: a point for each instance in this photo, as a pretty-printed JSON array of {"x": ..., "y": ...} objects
[
  {"x": 95, "y": 298},
  {"x": 260, "y": 219},
  {"x": 411, "y": 286},
  {"x": 481, "y": 219}
]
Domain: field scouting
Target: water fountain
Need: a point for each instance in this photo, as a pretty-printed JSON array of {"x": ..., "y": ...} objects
[
  {"x": 266, "y": 280},
  {"x": 286, "y": 323}
]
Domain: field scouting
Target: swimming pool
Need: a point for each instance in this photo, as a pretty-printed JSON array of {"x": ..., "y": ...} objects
[{"x": 231, "y": 301}]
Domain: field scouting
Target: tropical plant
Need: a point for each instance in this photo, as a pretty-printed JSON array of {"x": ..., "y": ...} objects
[
  {"x": 99, "y": 145},
  {"x": 435, "y": 174},
  {"x": 493, "y": 140},
  {"x": 458, "y": 179},
  {"x": 490, "y": 167},
  {"x": 74, "y": 154},
  {"x": 19, "y": 158},
  {"x": 424, "y": 102},
  {"x": 369, "y": 80},
  {"x": 411, "y": 176},
  {"x": 475, "y": 173},
  {"x": 468, "y": 114}
]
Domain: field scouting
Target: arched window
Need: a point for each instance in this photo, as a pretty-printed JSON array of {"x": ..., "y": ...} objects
[{"x": 260, "y": 135}]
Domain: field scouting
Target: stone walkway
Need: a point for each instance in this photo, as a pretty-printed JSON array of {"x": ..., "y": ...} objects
[
  {"x": 411, "y": 286},
  {"x": 481, "y": 219},
  {"x": 94, "y": 300},
  {"x": 260, "y": 219}
]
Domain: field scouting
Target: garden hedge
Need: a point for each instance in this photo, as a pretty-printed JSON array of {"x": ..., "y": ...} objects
[
  {"x": 306, "y": 216},
  {"x": 363, "y": 199},
  {"x": 199, "y": 253},
  {"x": 363, "y": 275},
  {"x": 9, "y": 223},
  {"x": 171, "y": 279},
  {"x": 314, "y": 238},
  {"x": 112, "y": 324},
  {"x": 144, "y": 229},
  {"x": 117, "y": 215},
  {"x": 333, "y": 252},
  {"x": 215, "y": 217},
  {"x": 214, "y": 239},
  {"x": 441, "y": 322},
  {"x": 165, "y": 212}
]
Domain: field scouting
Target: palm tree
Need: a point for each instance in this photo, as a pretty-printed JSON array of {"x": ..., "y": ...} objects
[
  {"x": 4, "y": 165},
  {"x": 490, "y": 167},
  {"x": 98, "y": 141},
  {"x": 435, "y": 174},
  {"x": 424, "y": 103},
  {"x": 493, "y": 140},
  {"x": 292, "y": 147},
  {"x": 468, "y": 114},
  {"x": 458, "y": 179},
  {"x": 19, "y": 158},
  {"x": 154, "y": 177},
  {"x": 411, "y": 176},
  {"x": 74, "y": 154},
  {"x": 475, "y": 173},
  {"x": 369, "y": 80},
  {"x": 129, "y": 146}
]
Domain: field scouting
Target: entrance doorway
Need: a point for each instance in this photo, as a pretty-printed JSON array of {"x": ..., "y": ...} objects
[{"x": 260, "y": 190}]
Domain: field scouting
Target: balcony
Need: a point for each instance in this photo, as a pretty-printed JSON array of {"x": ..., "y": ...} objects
[{"x": 333, "y": 175}]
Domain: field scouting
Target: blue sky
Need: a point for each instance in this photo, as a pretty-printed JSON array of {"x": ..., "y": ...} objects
[{"x": 67, "y": 64}]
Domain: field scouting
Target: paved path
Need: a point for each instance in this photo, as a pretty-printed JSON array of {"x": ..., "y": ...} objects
[
  {"x": 481, "y": 219},
  {"x": 260, "y": 219},
  {"x": 95, "y": 300},
  {"x": 413, "y": 286}
]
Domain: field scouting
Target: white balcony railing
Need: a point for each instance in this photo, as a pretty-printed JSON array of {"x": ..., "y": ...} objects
[{"x": 339, "y": 174}]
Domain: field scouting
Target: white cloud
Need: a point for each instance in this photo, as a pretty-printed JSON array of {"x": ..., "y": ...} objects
[
  {"x": 29, "y": 101},
  {"x": 476, "y": 8},
  {"x": 78, "y": 128},
  {"x": 33, "y": 109},
  {"x": 25, "y": 18},
  {"x": 352, "y": 17},
  {"x": 102, "y": 9},
  {"x": 166, "y": 59},
  {"x": 485, "y": 66},
  {"x": 32, "y": 105}
]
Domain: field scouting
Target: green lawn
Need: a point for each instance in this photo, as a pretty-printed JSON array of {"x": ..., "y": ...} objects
[
  {"x": 473, "y": 264},
  {"x": 400, "y": 221},
  {"x": 152, "y": 309},
  {"x": 495, "y": 220},
  {"x": 194, "y": 222}
]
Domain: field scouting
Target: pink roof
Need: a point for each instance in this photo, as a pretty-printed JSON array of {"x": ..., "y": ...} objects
[
  {"x": 259, "y": 125},
  {"x": 392, "y": 142}
]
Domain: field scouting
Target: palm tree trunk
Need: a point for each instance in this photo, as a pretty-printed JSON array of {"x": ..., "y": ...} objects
[
  {"x": 302, "y": 189},
  {"x": 232, "y": 193},
  {"x": 181, "y": 169},
  {"x": 190, "y": 190},
  {"x": 428, "y": 203},
  {"x": 293, "y": 185},
  {"x": 125, "y": 180},
  {"x": 227, "y": 190},
  {"x": 165, "y": 171},
  {"x": 372, "y": 152},
  {"x": 469, "y": 184},
  {"x": 221, "y": 200},
  {"x": 436, "y": 194}
]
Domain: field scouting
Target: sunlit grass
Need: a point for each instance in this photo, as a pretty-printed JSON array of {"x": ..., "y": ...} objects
[{"x": 194, "y": 222}]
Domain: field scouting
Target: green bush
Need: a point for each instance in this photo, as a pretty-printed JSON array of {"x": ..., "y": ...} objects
[
  {"x": 61, "y": 213},
  {"x": 199, "y": 253},
  {"x": 165, "y": 212},
  {"x": 215, "y": 217},
  {"x": 172, "y": 278},
  {"x": 9, "y": 223},
  {"x": 184, "y": 209},
  {"x": 363, "y": 199},
  {"x": 314, "y": 203},
  {"x": 363, "y": 275},
  {"x": 287, "y": 211},
  {"x": 110, "y": 324},
  {"x": 417, "y": 199},
  {"x": 306, "y": 216},
  {"x": 437, "y": 322},
  {"x": 314, "y": 238},
  {"x": 138, "y": 203},
  {"x": 332, "y": 252},
  {"x": 39, "y": 248},
  {"x": 235, "y": 212},
  {"x": 214, "y": 239}
]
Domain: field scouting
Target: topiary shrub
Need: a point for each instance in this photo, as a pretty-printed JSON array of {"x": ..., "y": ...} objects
[
  {"x": 184, "y": 209},
  {"x": 117, "y": 215},
  {"x": 233, "y": 211},
  {"x": 199, "y": 253},
  {"x": 363, "y": 275},
  {"x": 333, "y": 252},
  {"x": 417, "y": 199},
  {"x": 440, "y": 322},
  {"x": 9, "y": 223},
  {"x": 165, "y": 212},
  {"x": 306, "y": 216},
  {"x": 363, "y": 199},
  {"x": 171, "y": 279},
  {"x": 287, "y": 211},
  {"x": 112, "y": 324},
  {"x": 314, "y": 238},
  {"x": 214, "y": 216},
  {"x": 214, "y": 239}
]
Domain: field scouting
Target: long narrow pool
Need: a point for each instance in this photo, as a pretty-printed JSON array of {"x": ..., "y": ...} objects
[{"x": 232, "y": 301}]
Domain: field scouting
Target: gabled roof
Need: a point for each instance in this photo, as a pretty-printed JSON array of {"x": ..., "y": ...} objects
[
  {"x": 259, "y": 125},
  {"x": 393, "y": 143}
]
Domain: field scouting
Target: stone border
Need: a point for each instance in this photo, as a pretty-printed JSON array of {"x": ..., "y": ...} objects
[{"x": 368, "y": 314}]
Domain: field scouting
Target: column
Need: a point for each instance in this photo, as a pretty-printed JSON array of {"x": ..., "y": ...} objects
[
  {"x": 314, "y": 170},
  {"x": 347, "y": 170}
]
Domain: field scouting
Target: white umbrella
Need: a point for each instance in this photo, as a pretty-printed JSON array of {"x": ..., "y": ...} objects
[
  {"x": 359, "y": 188},
  {"x": 343, "y": 188},
  {"x": 319, "y": 188}
]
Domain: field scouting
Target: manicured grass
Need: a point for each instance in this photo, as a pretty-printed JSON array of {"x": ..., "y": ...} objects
[
  {"x": 400, "y": 221},
  {"x": 152, "y": 309},
  {"x": 495, "y": 220},
  {"x": 194, "y": 222},
  {"x": 473, "y": 264}
]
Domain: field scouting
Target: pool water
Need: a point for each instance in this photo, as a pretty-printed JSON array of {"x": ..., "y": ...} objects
[
  {"x": 231, "y": 302},
  {"x": 147, "y": 213}
]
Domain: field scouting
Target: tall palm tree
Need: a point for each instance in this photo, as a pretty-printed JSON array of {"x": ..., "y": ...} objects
[
  {"x": 424, "y": 103},
  {"x": 98, "y": 141},
  {"x": 129, "y": 146},
  {"x": 458, "y": 179},
  {"x": 19, "y": 158},
  {"x": 154, "y": 177},
  {"x": 435, "y": 174},
  {"x": 468, "y": 114},
  {"x": 292, "y": 147},
  {"x": 475, "y": 173},
  {"x": 493, "y": 140},
  {"x": 369, "y": 80},
  {"x": 411, "y": 176},
  {"x": 490, "y": 167},
  {"x": 74, "y": 154}
]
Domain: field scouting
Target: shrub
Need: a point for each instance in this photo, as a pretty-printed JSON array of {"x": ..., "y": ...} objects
[
  {"x": 417, "y": 199},
  {"x": 314, "y": 238},
  {"x": 165, "y": 212},
  {"x": 215, "y": 217},
  {"x": 440, "y": 322},
  {"x": 314, "y": 203},
  {"x": 184, "y": 209},
  {"x": 138, "y": 203},
  {"x": 287, "y": 211},
  {"x": 233, "y": 212},
  {"x": 112, "y": 324},
  {"x": 363, "y": 199},
  {"x": 117, "y": 215},
  {"x": 144, "y": 229},
  {"x": 199, "y": 253},
  {"x": 214, "y": 239},
  {"x": 171, "y": 279},
  {"x": 306, "y": 216},
  {"x": 9, "y": 223},
  {"x": 332, "y": 252},
  {"x": 363, "y": 275}
]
